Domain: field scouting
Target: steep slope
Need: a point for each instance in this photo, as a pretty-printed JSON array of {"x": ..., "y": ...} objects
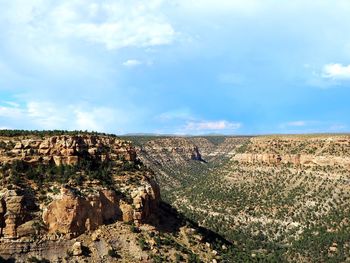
[
  {"x": 88, "y": 198},
  {"x": 283, "y": 198},
  {"x": 176, "y": 158}
]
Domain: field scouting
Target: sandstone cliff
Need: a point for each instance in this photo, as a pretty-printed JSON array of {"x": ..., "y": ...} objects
[
  {"x": 65, "y": 150},
  {"x": 298, "y": 150},
  {"x": 105, "y": 182}
]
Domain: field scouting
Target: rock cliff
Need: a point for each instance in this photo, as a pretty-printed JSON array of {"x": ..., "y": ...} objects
[
  {"x": 65, "y": 150},
  {"x": 114, "y": 187},
  {"x": 302, "y": 150}
]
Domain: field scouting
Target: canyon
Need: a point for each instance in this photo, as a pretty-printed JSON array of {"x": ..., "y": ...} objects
[
  {"x": 276, "y": 197},
  {"x": 85, "y": 198},
  {"x": 101, "y": 198}
]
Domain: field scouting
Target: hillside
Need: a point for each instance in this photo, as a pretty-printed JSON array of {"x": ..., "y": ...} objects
[
  {"x": 277, "y": 198},
  {"x": 80, "y": 197}
]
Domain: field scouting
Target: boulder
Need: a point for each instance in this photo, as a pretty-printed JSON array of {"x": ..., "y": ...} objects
[{"x": 77, "y": 249}]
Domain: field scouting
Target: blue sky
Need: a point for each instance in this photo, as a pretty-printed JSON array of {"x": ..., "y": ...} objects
[{"x": 182, "y": 67}]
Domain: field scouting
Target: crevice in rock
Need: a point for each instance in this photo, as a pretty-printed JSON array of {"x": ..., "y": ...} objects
[
  {"x": 196, "y": 155},
  {"x": 2, "y": 216}
]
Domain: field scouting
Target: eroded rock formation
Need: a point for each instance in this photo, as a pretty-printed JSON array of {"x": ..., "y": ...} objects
[
  {"x": 295, "y": 159},
  {"x": 67, "y": 150},
  {"x": 72, "y": 214},
  {"x": 14, "y": 211},
  {"x": 131, "y": 193}
]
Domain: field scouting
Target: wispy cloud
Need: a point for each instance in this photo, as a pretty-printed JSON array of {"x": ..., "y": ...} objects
[
  {"x": 328, "y": 76},
  {"x": 12, "y": 112},
  {"x": 336, "y": 71},
  {"x": 132, "y": 63},
  {"x": 296, "y": 123},
  {"x": 337, "y": 127},
  {"x": 206, "y": 126},
  {"x": 176, "y": 114},
  {"x": 303, "y": 126},
  {"x": 114, "y": 24},
  {"x": 68, "y": 36},
  {"x": 47, "y": 115}
]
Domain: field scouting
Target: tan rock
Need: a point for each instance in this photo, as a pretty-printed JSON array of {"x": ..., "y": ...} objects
[
  {"x": 14, "y": 213},
  {"x": 68, "y": 213},
  {"x": 77, "y": 249},
  {"x": 58, "y": 160},
  {"x": 18, "y": 146},
  {"x": 295, "y": 159},
  {"x": 72, "y": 160},
  {"x": 10, "y": 230},
  {"x": 71, "y": 214},
  {"x": 27, "y": 229},
  {"x": 332, "y": 249},
  {"x": 110, "y": 206},
  {"x": 127, "y": 212}
]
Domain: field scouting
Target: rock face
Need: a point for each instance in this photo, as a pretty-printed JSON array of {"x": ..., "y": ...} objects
[
  {"x": 295, "y": 159},
  {"x": 304, "y": 150},
  {"x": 74, "y": 209},
  {"x": 174, "y": 150},
  {"x": 14, "y": 211},
  {"x": 72, "y": 215},
  {"x": 67, "y": 150}
]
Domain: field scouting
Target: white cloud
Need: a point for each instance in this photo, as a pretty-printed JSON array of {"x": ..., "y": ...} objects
[
  {"x": 221, "y": 6},
  {"x": 177, "y": 114},
  {"x": 299, "y": 124},
  {"x": 336, "y": 71},
  {"x": 132, "y": 63},
  {"x": 96, "y": 119},
  {"x": 312, "y": 126},
  {"x": 296, "y": 123},
  {"x": 46, "y": 115},
  {"x": 66, "y": 37},
  {"x": 337, "y": 127},
  {"x": 12, "y": 103},
  {"x": 8, "y": 111},
  {"x": 221, "y": 125},
  {"x": 134, "y": 32},
  {"x": 114, "y": 24}
]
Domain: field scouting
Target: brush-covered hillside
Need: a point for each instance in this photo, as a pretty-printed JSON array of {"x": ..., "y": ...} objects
[{"x": 276, "y": 198}]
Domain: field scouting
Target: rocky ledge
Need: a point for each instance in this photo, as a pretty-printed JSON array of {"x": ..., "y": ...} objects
[{"x": 62, "y": 186}]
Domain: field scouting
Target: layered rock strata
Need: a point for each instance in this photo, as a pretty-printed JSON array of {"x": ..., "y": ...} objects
[{"x": 70, "y": 210}]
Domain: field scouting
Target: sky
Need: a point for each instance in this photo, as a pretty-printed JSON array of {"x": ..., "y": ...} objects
[{"x": 175, "y": 66}]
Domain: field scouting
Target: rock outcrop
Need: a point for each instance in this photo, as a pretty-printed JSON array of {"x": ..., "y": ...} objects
[
  {"x": 72, "y": 214},
  {"x": 295, "y": 159},
  {"x": 73, "y": 208},
  {"x": 14, "y": 211},
  {"x": 67, "y": 150},
  {"x": 319, "y": 150},
  {"x": 175, "y": 150}
]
